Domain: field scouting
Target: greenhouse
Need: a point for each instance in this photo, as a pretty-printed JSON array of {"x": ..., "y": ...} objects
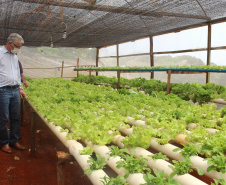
[{"x": 118, "y": 92}]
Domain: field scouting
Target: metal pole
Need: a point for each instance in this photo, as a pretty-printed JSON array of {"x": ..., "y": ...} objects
[
  {"x": 118, "y": 75},
  {"x": 62, "y": 69},
  {"x": 77, "y": 66},
  {"x": 117, "y": 54},
  {"x": 208, "y": 52},
  {"x": 97, "y": 60},
  {"x": 151, "y": 56},
  {"x": 168, "y": 81}
]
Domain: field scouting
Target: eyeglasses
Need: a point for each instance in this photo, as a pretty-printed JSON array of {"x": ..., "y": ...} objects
[{"x": 16, "y": 45}]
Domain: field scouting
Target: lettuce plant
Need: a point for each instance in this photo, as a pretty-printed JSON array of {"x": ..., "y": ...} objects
[
  {"x": 97, "y": 164},
  {"x": 119, "y": 180},
  {"x": 133, "y": 165},
  {"x": 159, "y": 179}
]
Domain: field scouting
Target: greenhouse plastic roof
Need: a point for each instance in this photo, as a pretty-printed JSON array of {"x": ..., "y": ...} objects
[{"x": 98, "y": 23}]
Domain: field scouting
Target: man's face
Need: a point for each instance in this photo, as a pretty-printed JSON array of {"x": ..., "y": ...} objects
[{"x": 15, "y": 46}]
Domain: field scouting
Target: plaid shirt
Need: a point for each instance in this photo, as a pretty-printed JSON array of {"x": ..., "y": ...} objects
[{"x": 21, "y": 68}]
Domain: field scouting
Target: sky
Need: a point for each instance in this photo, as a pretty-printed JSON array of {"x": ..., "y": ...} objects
[{"x": 188, "y": 39}]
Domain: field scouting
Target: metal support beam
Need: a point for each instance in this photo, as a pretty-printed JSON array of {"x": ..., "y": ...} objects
[
  {"x": 77, "y": 67},
  {"x": 62, "y": 70},
  {"x": 30, "y": 13},
  {"x": 114, "y": 9},
  {"x": 168, "y": 81},
  {"x": 118, "y": 76},
  {"x": 117, "y": 50},
  {"x": 151, "y": 56},
  {"x": 97, "y": 60},
  {"x": 90, "y": 2},
  {"x": 208, "y": 52}
]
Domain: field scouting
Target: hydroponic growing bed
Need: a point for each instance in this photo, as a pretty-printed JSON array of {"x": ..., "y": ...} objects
[{"x": 138, "y": 124}]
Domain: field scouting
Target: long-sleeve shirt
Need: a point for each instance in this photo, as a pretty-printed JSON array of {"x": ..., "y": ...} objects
[{"x": 9, "y": 69}]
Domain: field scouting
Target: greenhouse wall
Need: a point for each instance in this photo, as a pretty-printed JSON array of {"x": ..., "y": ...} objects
[
  {"x": 46, "y": 62},
  {"x": 182, "y": 59},
  {"x": 139, "y": 61},
  {"x": 108, "y": 62}
]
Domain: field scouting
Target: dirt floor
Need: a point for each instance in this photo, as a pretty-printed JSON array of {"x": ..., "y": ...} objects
[{"x": 19, "y": 168}]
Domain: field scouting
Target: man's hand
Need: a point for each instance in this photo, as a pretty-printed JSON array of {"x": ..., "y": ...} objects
[
  {"x": 22, "y": 93},
  {"x": 25, "y": 84}
]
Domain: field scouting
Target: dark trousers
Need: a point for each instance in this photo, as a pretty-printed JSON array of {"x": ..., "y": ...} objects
[{"x": 9, "y": 108}]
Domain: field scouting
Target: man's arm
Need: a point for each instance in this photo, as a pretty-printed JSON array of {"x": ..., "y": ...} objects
[{"x": 25, "y": 84}]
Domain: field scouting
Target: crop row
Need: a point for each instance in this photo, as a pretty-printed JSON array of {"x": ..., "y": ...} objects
[
  {"x": 96, "y": 114},
  {"x": 188, "y": 91}
]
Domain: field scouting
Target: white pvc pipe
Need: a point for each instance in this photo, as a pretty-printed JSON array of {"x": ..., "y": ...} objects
[
  {"x": 140, "y": 122},
  {"x": 220, "y": 101},
  {"x": 126, "y": 131},
  {"x": 212, "y": 130},
  {"x": 157, "y": 164},
  {"x": 192, "y": 126},
  {"x": 200, "y": 163},
  {"x": 133, "y": 179},
  {"x": 111, "y": 161},
  {"x": 118, "y": 142},
  {"x": 95, "y": 177},
  {"x": 81, "y": 159},
  {"x": 188, "y": 179},
  {"x": 181, "y": 139},
  {"x": 136, "y": 179},
  {"x": 166, "y": 149},
  {"x": 163, "y": 165},
  {"x": 131, "y": 120}
]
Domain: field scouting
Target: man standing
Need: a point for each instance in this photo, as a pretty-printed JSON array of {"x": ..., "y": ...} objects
[{"x": 10, "y": 93}]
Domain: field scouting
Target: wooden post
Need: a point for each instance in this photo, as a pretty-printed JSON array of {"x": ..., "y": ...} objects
[
  {"x": 32, "y": 141},
  {"x": 118, "y": 76},
  {"x": 62, "y": 157},
  {"x": 60, "y": 173},
  {"x": 151, "y": 56},
  {"x": 89, "y": 74},
  {"x": 168, "y": 81},
  {"x": 62, "y": 69},
  {"x": 21, "y": 111},
  {"x": 97, "y": 60},
  {"x": 208, "y": 52},
  {"x": 77, "y": 66}
]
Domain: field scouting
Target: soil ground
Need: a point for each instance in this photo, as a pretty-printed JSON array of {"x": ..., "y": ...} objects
[{"x": 20, "y": 168}]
